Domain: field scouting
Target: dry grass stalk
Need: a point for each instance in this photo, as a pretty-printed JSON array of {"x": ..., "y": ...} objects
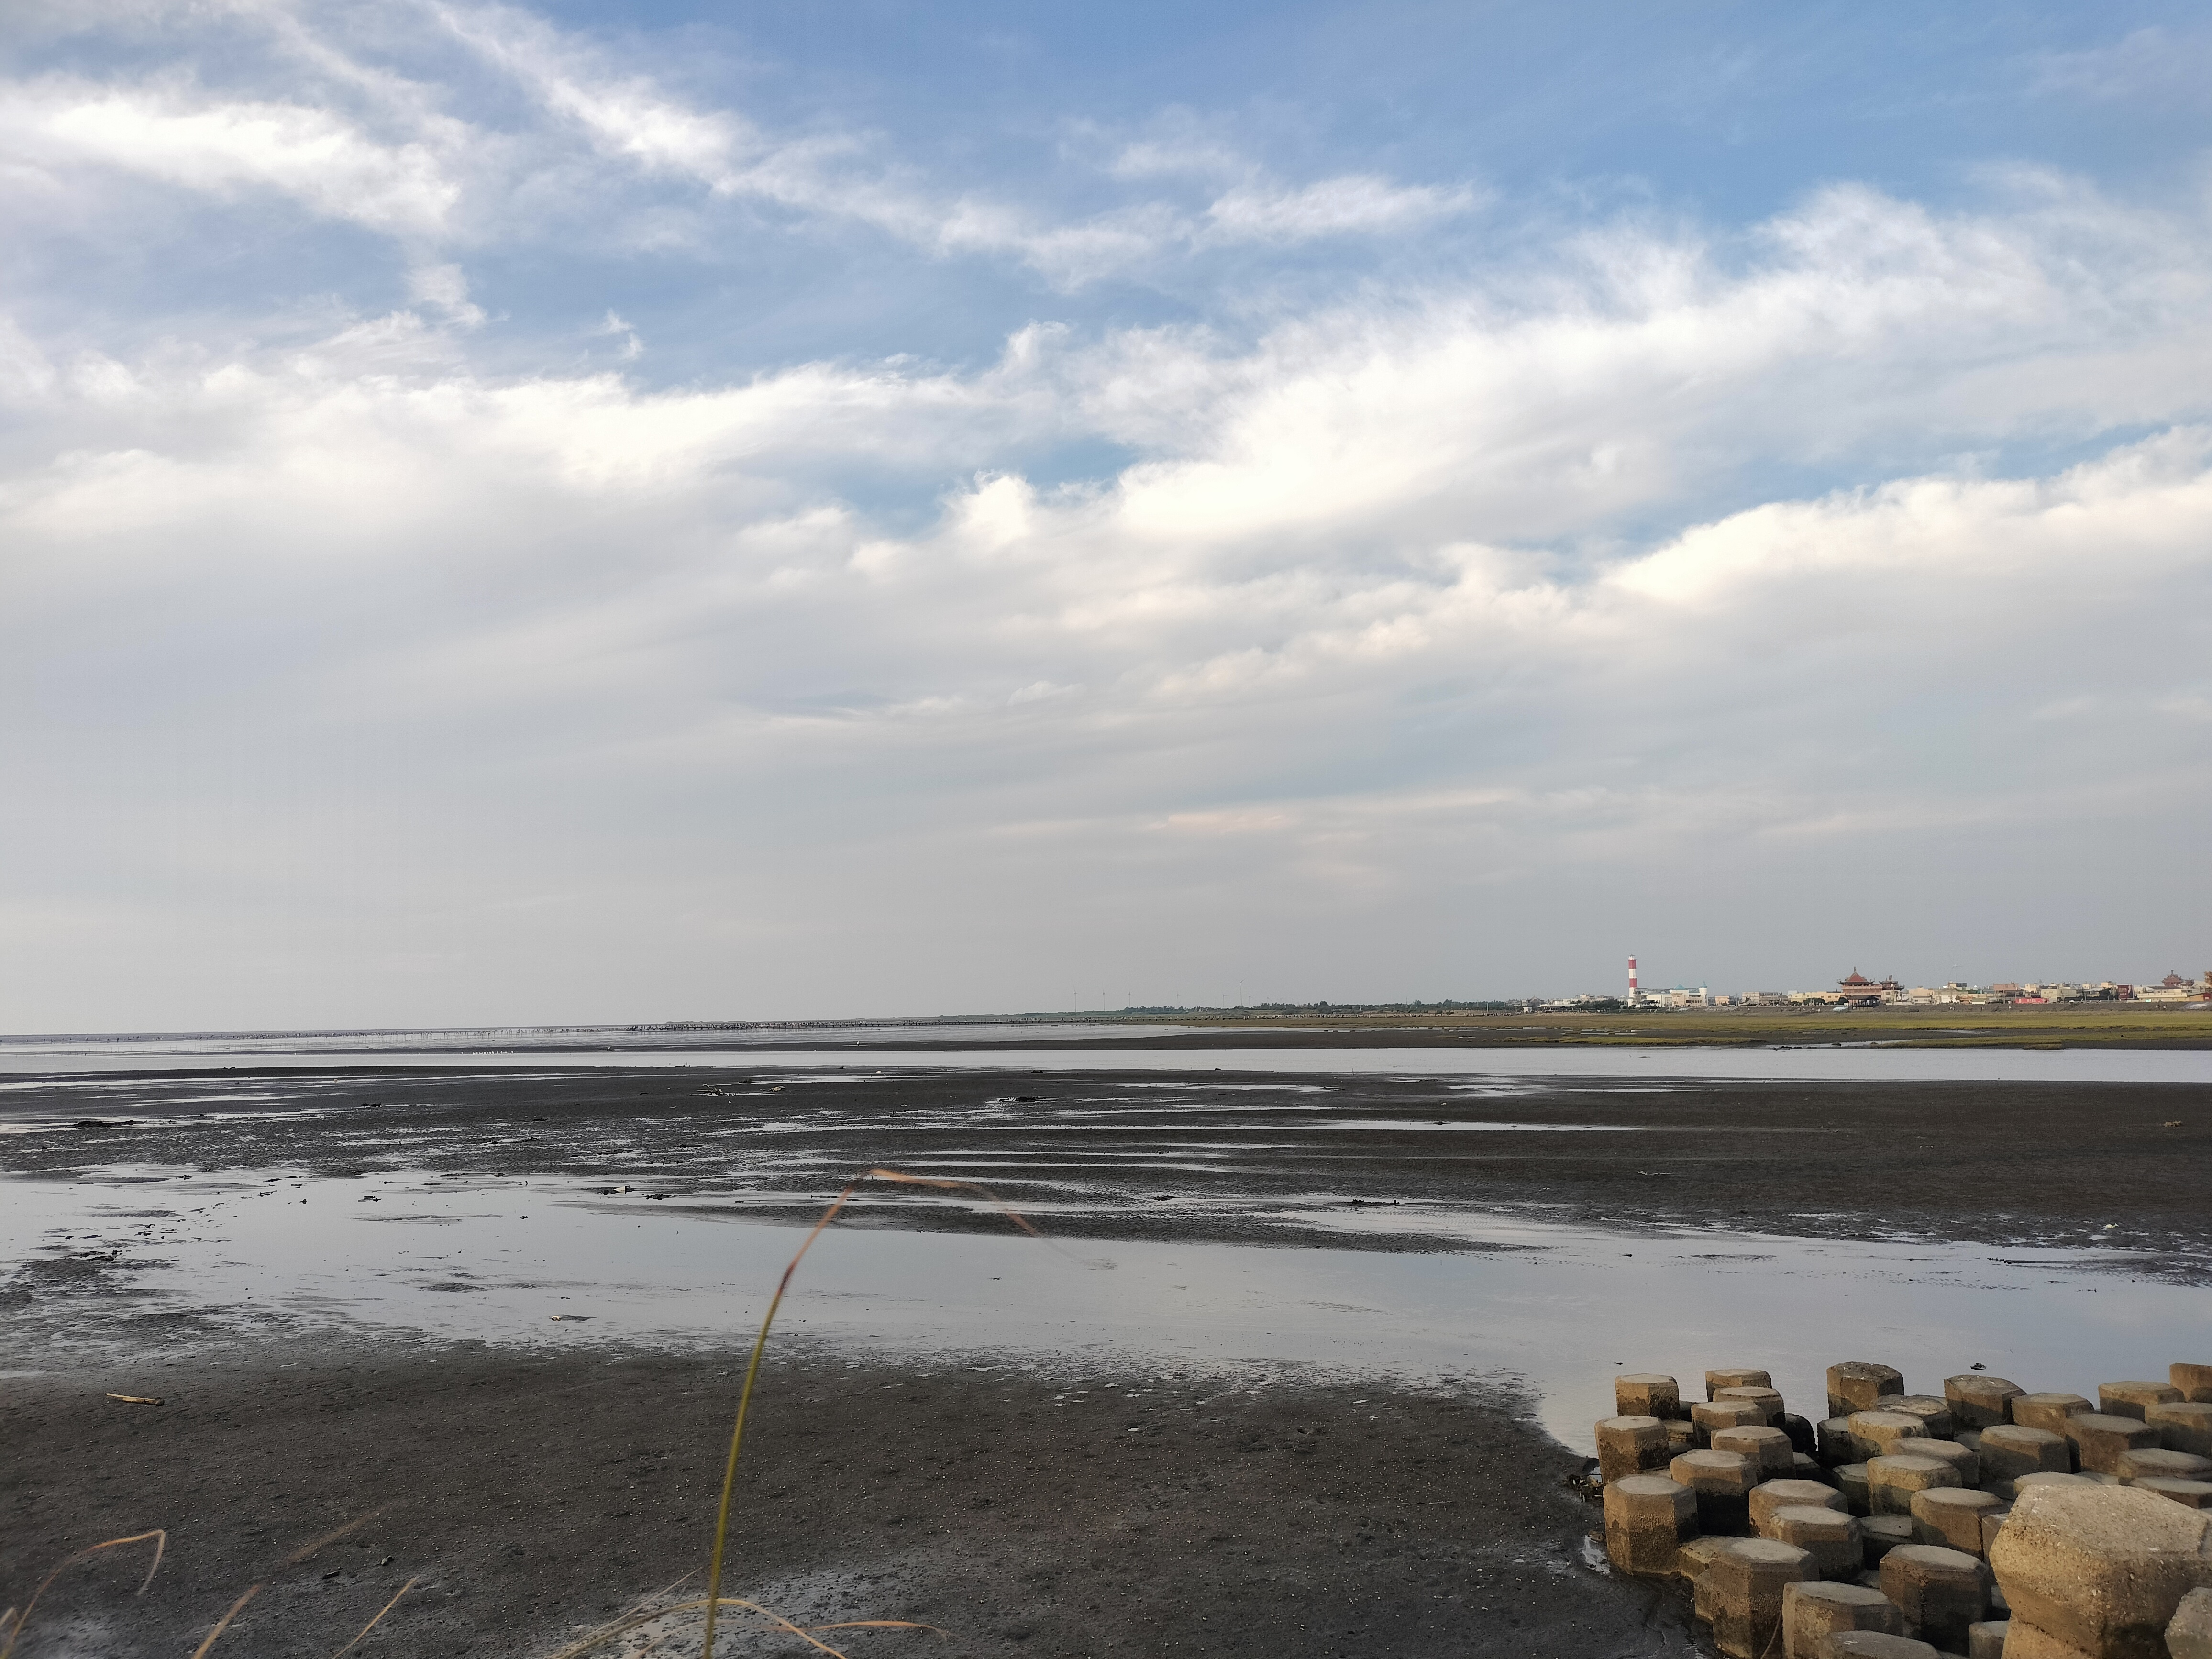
[
  {"x": 646, "y": 1615},
  {"x": 12, "y": 1628},
  {"x": 223, "y": 1623},
  {"x": 374, "y": 1622},
  {"x": 714, "y": 1598}
]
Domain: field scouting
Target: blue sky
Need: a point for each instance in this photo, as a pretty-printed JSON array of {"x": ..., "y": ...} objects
[{"x": 568, "y": 513}]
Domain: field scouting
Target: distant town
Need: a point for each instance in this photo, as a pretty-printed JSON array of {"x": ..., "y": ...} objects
[{"x": 1855, "y": 990}]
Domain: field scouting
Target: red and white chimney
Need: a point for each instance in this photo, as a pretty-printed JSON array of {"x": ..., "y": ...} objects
[{"x": 1633, "y": 998}]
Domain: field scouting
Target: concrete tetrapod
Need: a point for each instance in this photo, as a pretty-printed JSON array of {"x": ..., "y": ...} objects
[
  {"x": 1940, "y": 1591},
  {"x": 2133, "y": 1399},
  {"x": 2183, "y": 1425},
  {"x": 1831, "y": 1538},
  {"x": 1978, "y": 1401},
  {"x": 2189, "y": 1633},
  {"x": 2009, "y": 1451},
  {"x": 1856, "y": 1385},
  {"x": 1648, "y": 1518},
  {"x": 2099, "y": 1568},
  {"x": 1873, "y": 1644},
  {"x": 1722, "y": 1482},
  {"x": 1629, "y": 1445},
  {"x": 1812, "y": 1609},
  {"x": 2099, "y": 1440},
  {"x": 1740, "y": 1594}
]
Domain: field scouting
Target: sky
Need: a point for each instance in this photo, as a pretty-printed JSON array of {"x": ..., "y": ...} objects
[{"x": 682, "y": 511}]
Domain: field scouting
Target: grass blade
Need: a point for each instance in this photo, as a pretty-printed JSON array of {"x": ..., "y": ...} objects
[
  {"x": 223, "y": 1623},
  {"x": 15, "y": 1631},
  {"x": 379, "y": 1619}
]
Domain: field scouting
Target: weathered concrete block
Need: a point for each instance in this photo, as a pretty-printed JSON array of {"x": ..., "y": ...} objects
[
  {"x": 1964, "y": 1459},
  {"x": 2099, "y": 1440},
  {"x": 1929, "y": 1408},
  {"x": 2130, "y": 1399},
  {"x": 1883, "y": 1534},
  {"x": 1768, "y": 1447},
  {"x": 1800, "y": 1432},
  {"x": 1991, "y": 1521},
  {"x": 1940, "y": 1591},
  {"x": 2189, "y": 1633},
  {"x": 2047, "y": 1411},
  {"x": 1812, "y": 1610},
  {"x": 2195, "y": 1381},
  {"x": 2182, "y": 1425},
  {"x": 1952, "y": 1517},
  {"x": 1837, "y": 1443},
  {"x": 1735, "y": 1377},
  {"x": 2101, "y": 1568},
  {"x": 1856, "y": 1385},
  {"x": 1831, "y": 1538},
  {"x": 1722, "y": 1481},
  {"x": 1873, "y": 1644},
  {"x": 2148, "y": 1462},
  {"x": 1892, "y": 1481},
  {"x": 1802, "y": 1467},
  {"x": 1648, "y": 1518},
  {"x": 1767, "y": 1399},
  {"x": 1878, "y": 1432},
  {"x": 1629, "y": 1445},
  {"x": 1851, "y": 1481},
  {"x": 1712, "y": 1414},
  {"x": 1986, "y": 1640},
  {"x": 2196, "y": 1494},
  {"x": 2025, "y": 1641},
  {"x": 1741, "y": 1594},
  {"x": 2054, "y": 1478},
  {"x": 1681, "y": 1434},
  {"x": 2010, "y": 1451},
  {"x": 1977, "y": 1401},
  {"x": 1771, "y": 1495},
  {"x": 1647, "y": 1393},
  {"x": 1696, "y": 1554}
]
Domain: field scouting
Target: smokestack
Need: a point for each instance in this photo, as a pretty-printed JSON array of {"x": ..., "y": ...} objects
[{"x": 1633, "y": 997}]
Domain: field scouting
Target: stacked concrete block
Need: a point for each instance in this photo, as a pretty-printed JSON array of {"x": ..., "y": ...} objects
[
  {"x": 1722, "y": 1482},
  {"x": 2010, "y": 1451},
  {"x": 1768, "y": 1447},
  {"x": 2182, "y": 1425},
  {"x": 2145, "y": 1462},
  {"x": 1812, "y": 1610},
  {"x": 1986, "y": 1640},
  {"x": 2195, "y": 1381},
  {"x": 2099, "y": 1440},
  {"x": 2195, "y": 1494},
  {"x": 1712, "y": 1414},
  {"x": 1647, "y": 1394},
  {"x": 1829, "y": 1537},
  {"x": 1648, "y": 1518},
  {"x": 1740, "y": 1594},
  {"x": 2047, "y": 1411},
  {"x": 1696, "y": 1554},
  {"x": 1951, "y": 1517},
  {"x": 1933, "y": 1412},
  {"x": 1991, "y": 1521},
  {"x": 1878, "y": 1432},
  {"x": 1735, "y": 1377},
  {"x": 2189, "y": 1633},
  {"x": 1836, "y": 1444},
  {"x": 1767, "y": 1399},
  {"x": 1681, "y": 1435},
  {"x": 1892, "y": 1481},
  {"x": 1771, "y": 1495},
  {"x": 1629, "y": 1445},
  {"x": 1980, "y": 1402},
  {"x": 1940, "y": 1591},
  {"x": 2098, "y": 1570},
  {"x": 1856, "y": 1385},
  {"x": 1963, "y": 1458},
  {"x": 1851, "y": 1481},
  {"x": 2132, "y": 1399},
  {"x": 1881, "y": 1533}
]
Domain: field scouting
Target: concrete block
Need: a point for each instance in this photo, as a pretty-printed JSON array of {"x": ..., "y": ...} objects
[
  {"x": 1647, "y": 1393},
  {"x": 1892, "y": 1481},
  {"x": 2047, "y": 1411},
  {"x": 2099, "y": 1440},
  {"x": 1872, "y": 1644},
  {"x": 1878, "y": 1432},
  {"x": 1940, "y": 1591},
  {"x": 2102, "y": 1569},
  {"x": 1771, "y": 1495},
  {"x": 2024, "y": 1640},
  {"x": 1722, "y": 1481},
  {"x": 2196, "y": 1494},
  {"x": 1740, "y": 1594},
  {"x": 1802, "y": 1467},
  {"x": 1800, "y": 1433},
  {"x": 1856, "y": 1385},
  {"x": 1629, "y": 1445},
  {"x": 1977, "y": 1401},
  {"x": 1767, "y": 1399},
  {"x": 1964, "y": 1459},
  {"x": 1710, "y": 1414},
  {"x": 1812, "y": 1610},
  {"x": 1930, "y": 1409},
  {"x": 2189, "y": 1633},
  {"x": 1648, "y": 1518},
  {"x": 2054, "y": 1479},
  {"x": 2182, "y": 1425},
  {"x": 1986, "y": 1640},
  {"x": 1952, "y": 1517},
  {"x": 1768, "y": 1447},
  {"x": 2131, "y": 1398},
  {"x": 1836, "y": 1443},
  {"x": 1991, "y": 1521},
  {"x": 1681, "y": 1434},
  {"x": 1735, "y": 1377},
  {"x": 2009, "y": 1451},
  {"x": 2195, "y": 1381},
  {"x": 1883, "y": 1533},
  {"x": 1831, "y": 1538},
  {"x": 1851, "y": 1481},
  {"x": 2145, "y": 1462},
  {"x": 1696, "y": 1554}
]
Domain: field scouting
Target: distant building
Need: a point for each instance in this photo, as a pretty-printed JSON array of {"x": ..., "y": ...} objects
[{"x": 1857, "y": 991}]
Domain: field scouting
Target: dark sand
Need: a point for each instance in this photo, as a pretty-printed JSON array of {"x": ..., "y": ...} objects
[{"x": 535, "y": 1494}]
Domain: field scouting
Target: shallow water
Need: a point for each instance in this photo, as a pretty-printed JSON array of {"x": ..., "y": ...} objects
[{"x": 551, "y": 1260}]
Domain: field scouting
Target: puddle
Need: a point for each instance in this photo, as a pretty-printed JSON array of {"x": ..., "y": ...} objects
[{"x": 557, "y": 1261}]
